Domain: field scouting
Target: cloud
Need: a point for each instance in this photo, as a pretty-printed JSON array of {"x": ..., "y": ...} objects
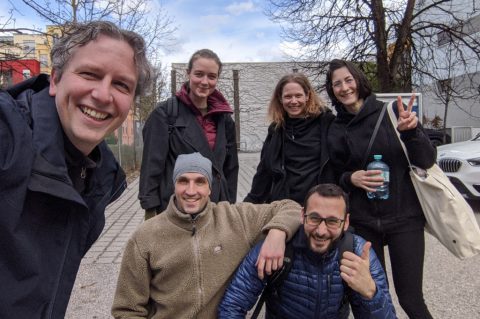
[{"x": 238, "y": 8}]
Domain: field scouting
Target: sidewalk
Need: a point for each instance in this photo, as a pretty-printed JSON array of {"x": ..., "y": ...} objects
[{"x": 451, "y": 286}]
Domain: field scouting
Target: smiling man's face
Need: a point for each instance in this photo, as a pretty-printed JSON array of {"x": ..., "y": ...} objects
[
  {"x": 95, "y": 91},
  {"x": 322, "y": 237},
  {"x": 191, "y": 192}
]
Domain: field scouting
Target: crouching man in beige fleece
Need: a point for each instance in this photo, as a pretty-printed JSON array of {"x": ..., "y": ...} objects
[{"x": 178, "y": 264}]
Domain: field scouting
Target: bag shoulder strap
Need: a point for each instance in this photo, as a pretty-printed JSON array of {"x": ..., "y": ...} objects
[
  {"x": 345, "y": 244},
  {"x": 172, "y": 112},
  {"x": 393, "y": 120},
  {"x": 275, "y": 280},
  {"x": 374, "y": 134}
]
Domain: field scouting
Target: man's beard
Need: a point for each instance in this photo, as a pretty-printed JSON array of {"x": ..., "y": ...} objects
[{"x": 332, "y": 245}]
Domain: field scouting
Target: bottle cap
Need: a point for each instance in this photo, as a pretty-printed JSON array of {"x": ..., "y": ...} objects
[{"x": 377, "y": 157}]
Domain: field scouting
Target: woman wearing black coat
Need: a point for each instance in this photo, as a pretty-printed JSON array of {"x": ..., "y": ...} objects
[
  {"x": 397, "y": 222},
  {"x": 294, "y": 156},
  {"x": 203, "y": 124}
]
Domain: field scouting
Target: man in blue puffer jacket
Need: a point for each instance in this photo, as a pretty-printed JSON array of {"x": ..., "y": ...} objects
[{"x": 313, "y": 288}]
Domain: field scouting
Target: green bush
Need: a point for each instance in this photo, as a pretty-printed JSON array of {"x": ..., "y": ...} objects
[{"x": 111, "y": 139}]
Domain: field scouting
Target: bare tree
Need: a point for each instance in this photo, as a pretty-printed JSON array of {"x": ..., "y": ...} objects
[
  {"x": 145, "y": 17},
  {"x": 449, "y": 88},
  {"x": 392, "y": 34},
  {"x": 159, "y": 92}
]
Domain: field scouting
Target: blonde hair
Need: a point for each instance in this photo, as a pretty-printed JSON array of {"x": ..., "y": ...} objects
[{"x": 314, "y": 105}]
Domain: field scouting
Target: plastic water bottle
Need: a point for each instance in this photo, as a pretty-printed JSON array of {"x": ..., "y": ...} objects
[{"x": 382, "y": 191}]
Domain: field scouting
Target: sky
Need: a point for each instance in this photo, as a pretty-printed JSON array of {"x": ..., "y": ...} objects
[{"x": 238, "y": 31}]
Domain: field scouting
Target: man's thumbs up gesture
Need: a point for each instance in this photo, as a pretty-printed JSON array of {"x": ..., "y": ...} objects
[{"x": 355, "y": 270}]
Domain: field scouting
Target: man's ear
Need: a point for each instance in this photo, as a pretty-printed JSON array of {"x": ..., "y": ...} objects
[
  {"x": 53, "y": 86},
  {"x": 347, "y": 222}
]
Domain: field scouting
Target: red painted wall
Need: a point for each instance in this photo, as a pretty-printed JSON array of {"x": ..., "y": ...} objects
[{"x": 17, "y": 68}]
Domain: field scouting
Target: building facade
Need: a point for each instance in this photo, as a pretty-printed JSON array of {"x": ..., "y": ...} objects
[
  {"x": 25, "y": 55},
  {"x": 453, "y": 62}
]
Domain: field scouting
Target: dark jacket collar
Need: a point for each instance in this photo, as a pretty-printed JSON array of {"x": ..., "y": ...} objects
[{"x": 369, "y": 106}]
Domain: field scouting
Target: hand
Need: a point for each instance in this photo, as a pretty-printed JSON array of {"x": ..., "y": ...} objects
[
  {"x": 355, "y": 271},
  {"x": 271, "y": 253},
  {"x": 368, "y": 180},
  {"x": 407, "y": 120}
]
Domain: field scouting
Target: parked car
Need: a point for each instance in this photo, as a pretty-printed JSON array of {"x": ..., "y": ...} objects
[{"x": 461, "y": 163}]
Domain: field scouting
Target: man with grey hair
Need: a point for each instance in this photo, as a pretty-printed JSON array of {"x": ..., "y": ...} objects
[
  {"x": 178, "y": 263},
  {"x": 57, "y": 175}
]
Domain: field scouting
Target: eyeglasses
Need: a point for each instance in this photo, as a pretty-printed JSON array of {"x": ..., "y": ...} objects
[{"x": 331, "y": 222}]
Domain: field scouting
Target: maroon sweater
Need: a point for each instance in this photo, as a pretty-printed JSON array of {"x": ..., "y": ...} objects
[{"x": 216, "y": 104}]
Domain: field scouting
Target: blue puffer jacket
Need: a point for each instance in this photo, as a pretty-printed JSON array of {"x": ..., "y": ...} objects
[{"x": 312, "y": 289}]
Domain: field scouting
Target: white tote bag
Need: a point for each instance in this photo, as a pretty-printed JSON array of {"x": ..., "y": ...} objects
[{"x": 449, "y": 217}]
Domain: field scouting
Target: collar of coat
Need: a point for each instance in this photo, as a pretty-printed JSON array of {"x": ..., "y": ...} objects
[
  {"x": 184, "y": 220},
  {"x": 370, "y": 105}
]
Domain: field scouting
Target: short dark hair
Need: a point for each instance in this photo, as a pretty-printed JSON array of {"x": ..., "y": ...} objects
[
  {"x": 363, "y": 85},
  {"x": 80, "y": 34},
  {"x": 327, "y": 190},
  {"x": 207, "y": 54}
]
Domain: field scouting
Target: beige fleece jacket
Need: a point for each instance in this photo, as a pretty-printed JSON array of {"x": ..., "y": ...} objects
[{"x": 170, "y": 270}]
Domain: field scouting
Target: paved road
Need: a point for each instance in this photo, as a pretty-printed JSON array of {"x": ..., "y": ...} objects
[{"x": 451, "y": 286}]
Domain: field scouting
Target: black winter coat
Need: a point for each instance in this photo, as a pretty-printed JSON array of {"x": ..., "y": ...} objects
[
  {"x": 46, "y": 226},
  {"x": 161, "y": 149},
  {"x": 348, "y": 140},
  {"x": 270, "y": 182}
]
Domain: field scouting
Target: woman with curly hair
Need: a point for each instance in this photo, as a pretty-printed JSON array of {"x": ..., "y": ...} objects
[{"x": 294, "y": 156}]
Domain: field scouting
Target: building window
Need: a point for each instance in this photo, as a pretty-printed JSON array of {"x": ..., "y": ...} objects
[
  {"x": 28, "y": 47},
  {"x": 44, "y": 60},
  {"x": 5, "y": 78},
  {"x": 443, "y": 37},
  {"x": 444, "y": 86},
  {"x": 26, "y": 74},
  {"x": 461, "y": 29}
]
